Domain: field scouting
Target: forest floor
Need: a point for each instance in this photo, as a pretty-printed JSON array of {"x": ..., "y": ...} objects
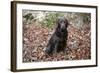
[{"x": 35, "y": 39}]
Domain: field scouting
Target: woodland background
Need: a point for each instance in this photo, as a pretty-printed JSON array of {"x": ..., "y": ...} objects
[{"x": 38, "y": 27}]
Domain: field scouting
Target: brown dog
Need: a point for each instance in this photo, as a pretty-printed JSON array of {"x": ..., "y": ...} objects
[{"x": 58, "y": 39}]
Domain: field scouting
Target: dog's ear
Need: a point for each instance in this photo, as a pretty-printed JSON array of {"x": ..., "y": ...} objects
[
  {"x": 67, "y": 22},
  {"x": 57, "y": 22}
]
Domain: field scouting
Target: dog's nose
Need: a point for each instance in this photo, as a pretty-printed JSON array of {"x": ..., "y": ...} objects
[{"x": 63, "y": 29}]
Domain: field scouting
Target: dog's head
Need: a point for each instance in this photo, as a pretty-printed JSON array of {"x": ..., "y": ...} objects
[{"x": 62, "y": 23}]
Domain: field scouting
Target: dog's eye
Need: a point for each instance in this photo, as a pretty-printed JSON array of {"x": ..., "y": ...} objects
[{"x": 64, "y": 22}]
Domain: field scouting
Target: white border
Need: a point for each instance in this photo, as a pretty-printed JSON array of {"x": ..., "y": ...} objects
[{"x": 34, "y": 65}]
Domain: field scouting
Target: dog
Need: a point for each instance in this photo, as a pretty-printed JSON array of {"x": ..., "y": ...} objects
[{"x": 58, "y": 39}]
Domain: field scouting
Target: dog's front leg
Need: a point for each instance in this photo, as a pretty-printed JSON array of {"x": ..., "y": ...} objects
[{"x": 55, "y": 49}]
